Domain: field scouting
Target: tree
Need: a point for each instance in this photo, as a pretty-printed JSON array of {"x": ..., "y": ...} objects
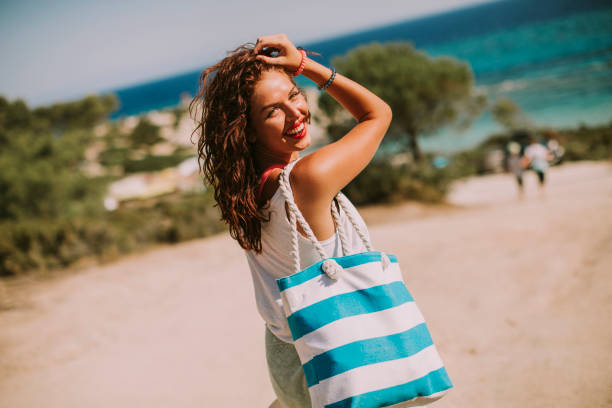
[
  {"x": 41, "y": 152},
  {"x": 83, "y": 113},
  {"x": 145, "y": 134},
  {"x": 424, "y": 93},
  {"x": 40, "y": 176},
  {"x": 510, "y": 115}
]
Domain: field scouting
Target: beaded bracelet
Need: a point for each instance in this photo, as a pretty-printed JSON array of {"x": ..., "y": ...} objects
[
  {"x": 329, "y": 81},
  {"x": 302, "y": 63}
]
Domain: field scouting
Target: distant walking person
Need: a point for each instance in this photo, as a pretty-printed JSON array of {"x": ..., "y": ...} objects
[
  {"x": 515, "y": 165},
  {"x": 536, "y": 158}
]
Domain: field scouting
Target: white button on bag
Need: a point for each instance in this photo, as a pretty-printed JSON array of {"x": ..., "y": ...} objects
[{"x": 332, "y": 269}]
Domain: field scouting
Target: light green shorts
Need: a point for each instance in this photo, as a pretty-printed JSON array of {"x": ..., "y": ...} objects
[{"x": 286, "y": 373}]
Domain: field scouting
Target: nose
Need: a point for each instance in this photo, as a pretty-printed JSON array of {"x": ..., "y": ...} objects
[{"x": 293, "y": 111}]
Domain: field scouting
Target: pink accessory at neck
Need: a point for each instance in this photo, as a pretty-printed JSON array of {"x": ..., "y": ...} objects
[{"x": 265, "y": 176}]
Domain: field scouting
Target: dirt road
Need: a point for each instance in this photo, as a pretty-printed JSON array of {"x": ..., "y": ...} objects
[{"x": 517, "y": 294}]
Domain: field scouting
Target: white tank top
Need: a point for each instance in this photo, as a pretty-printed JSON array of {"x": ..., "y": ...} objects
[{"x": 274, "y": 262}]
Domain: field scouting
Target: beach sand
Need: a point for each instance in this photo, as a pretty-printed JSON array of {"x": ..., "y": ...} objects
[{"x": 517, "y": 295}]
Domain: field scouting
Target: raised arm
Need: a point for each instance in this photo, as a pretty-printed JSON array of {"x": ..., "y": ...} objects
[{"x": 322, "y": 174}]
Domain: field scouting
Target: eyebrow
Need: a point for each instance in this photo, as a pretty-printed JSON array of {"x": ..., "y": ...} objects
[{"x": 276, "y": 103}]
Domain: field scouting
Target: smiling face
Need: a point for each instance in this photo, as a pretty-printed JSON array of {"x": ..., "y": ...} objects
[{"x": 278, "y": 119}]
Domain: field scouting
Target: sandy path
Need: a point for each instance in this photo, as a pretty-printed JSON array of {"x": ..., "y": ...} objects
[{"x": 518, "y": 296}]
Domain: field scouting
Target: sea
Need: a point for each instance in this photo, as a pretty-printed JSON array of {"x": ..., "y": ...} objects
[{"x": 551, "y": 57}]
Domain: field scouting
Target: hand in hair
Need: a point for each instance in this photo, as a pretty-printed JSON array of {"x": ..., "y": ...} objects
[{"x": 278, "y": 50}]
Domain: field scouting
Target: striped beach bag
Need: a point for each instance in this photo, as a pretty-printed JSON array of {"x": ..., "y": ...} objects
[{"x": 360, "y": 337}]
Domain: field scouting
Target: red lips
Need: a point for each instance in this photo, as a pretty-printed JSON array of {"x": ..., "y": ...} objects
[{"x": 294, "y": 126}]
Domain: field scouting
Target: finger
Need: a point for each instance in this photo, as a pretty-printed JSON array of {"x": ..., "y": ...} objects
[
  {"x": 271, "y": 60},
  {"x": 276, "y": 37},
  {"x": 258, "y": 45},
  {"x": 271, "y": 41},
  {"x": 263, "y": 42}
]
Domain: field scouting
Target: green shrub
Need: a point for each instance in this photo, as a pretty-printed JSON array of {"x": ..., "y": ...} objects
[
  {"x": 153, "y": 163},
  {"x": 49, "y": 244},
  {"x": 40, "y": 176},
  {"x": 42, "y": 244},
  {"x": 582, "y": 143},
  {"x": 467, "y": 163},
  {"x": 145, "y": 134},
  {"x": 114, "y": 156},
  {"x": 587, "y": 143},
  {"x": 382, "y": 182}
]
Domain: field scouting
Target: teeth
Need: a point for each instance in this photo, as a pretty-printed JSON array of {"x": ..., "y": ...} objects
[{"x": 296, "y": 130}]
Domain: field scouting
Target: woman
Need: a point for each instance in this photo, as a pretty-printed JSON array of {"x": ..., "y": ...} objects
[{"x": 254, "y": 122}]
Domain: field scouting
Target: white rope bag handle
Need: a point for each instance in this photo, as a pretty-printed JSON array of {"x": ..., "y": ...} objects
[{"x": 295, "y": 216}]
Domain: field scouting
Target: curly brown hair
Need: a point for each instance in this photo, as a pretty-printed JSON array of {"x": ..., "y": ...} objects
[{"x": 225, "y": 155}]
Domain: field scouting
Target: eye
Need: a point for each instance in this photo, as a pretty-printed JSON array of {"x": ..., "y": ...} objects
[
  {"x": 271, "y": 112},
  {"x": 294, "y": 94}
]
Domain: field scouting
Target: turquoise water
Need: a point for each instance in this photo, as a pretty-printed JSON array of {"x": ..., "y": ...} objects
[
  {"x": 559, "y": 72},
  {"x": 552, "y": 57}
]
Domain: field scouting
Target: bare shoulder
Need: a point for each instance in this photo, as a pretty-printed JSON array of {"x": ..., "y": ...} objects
[
  {"x": 312, "y": 197},
  {"x": 308, "y": 181}
]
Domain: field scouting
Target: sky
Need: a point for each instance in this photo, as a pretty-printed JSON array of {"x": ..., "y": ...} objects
[{"x": 55, "y": 50}]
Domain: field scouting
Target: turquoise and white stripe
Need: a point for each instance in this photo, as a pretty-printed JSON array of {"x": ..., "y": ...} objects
[
  {"x": 366, "y": 326},
  {"x": 361, "y": 339}
]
